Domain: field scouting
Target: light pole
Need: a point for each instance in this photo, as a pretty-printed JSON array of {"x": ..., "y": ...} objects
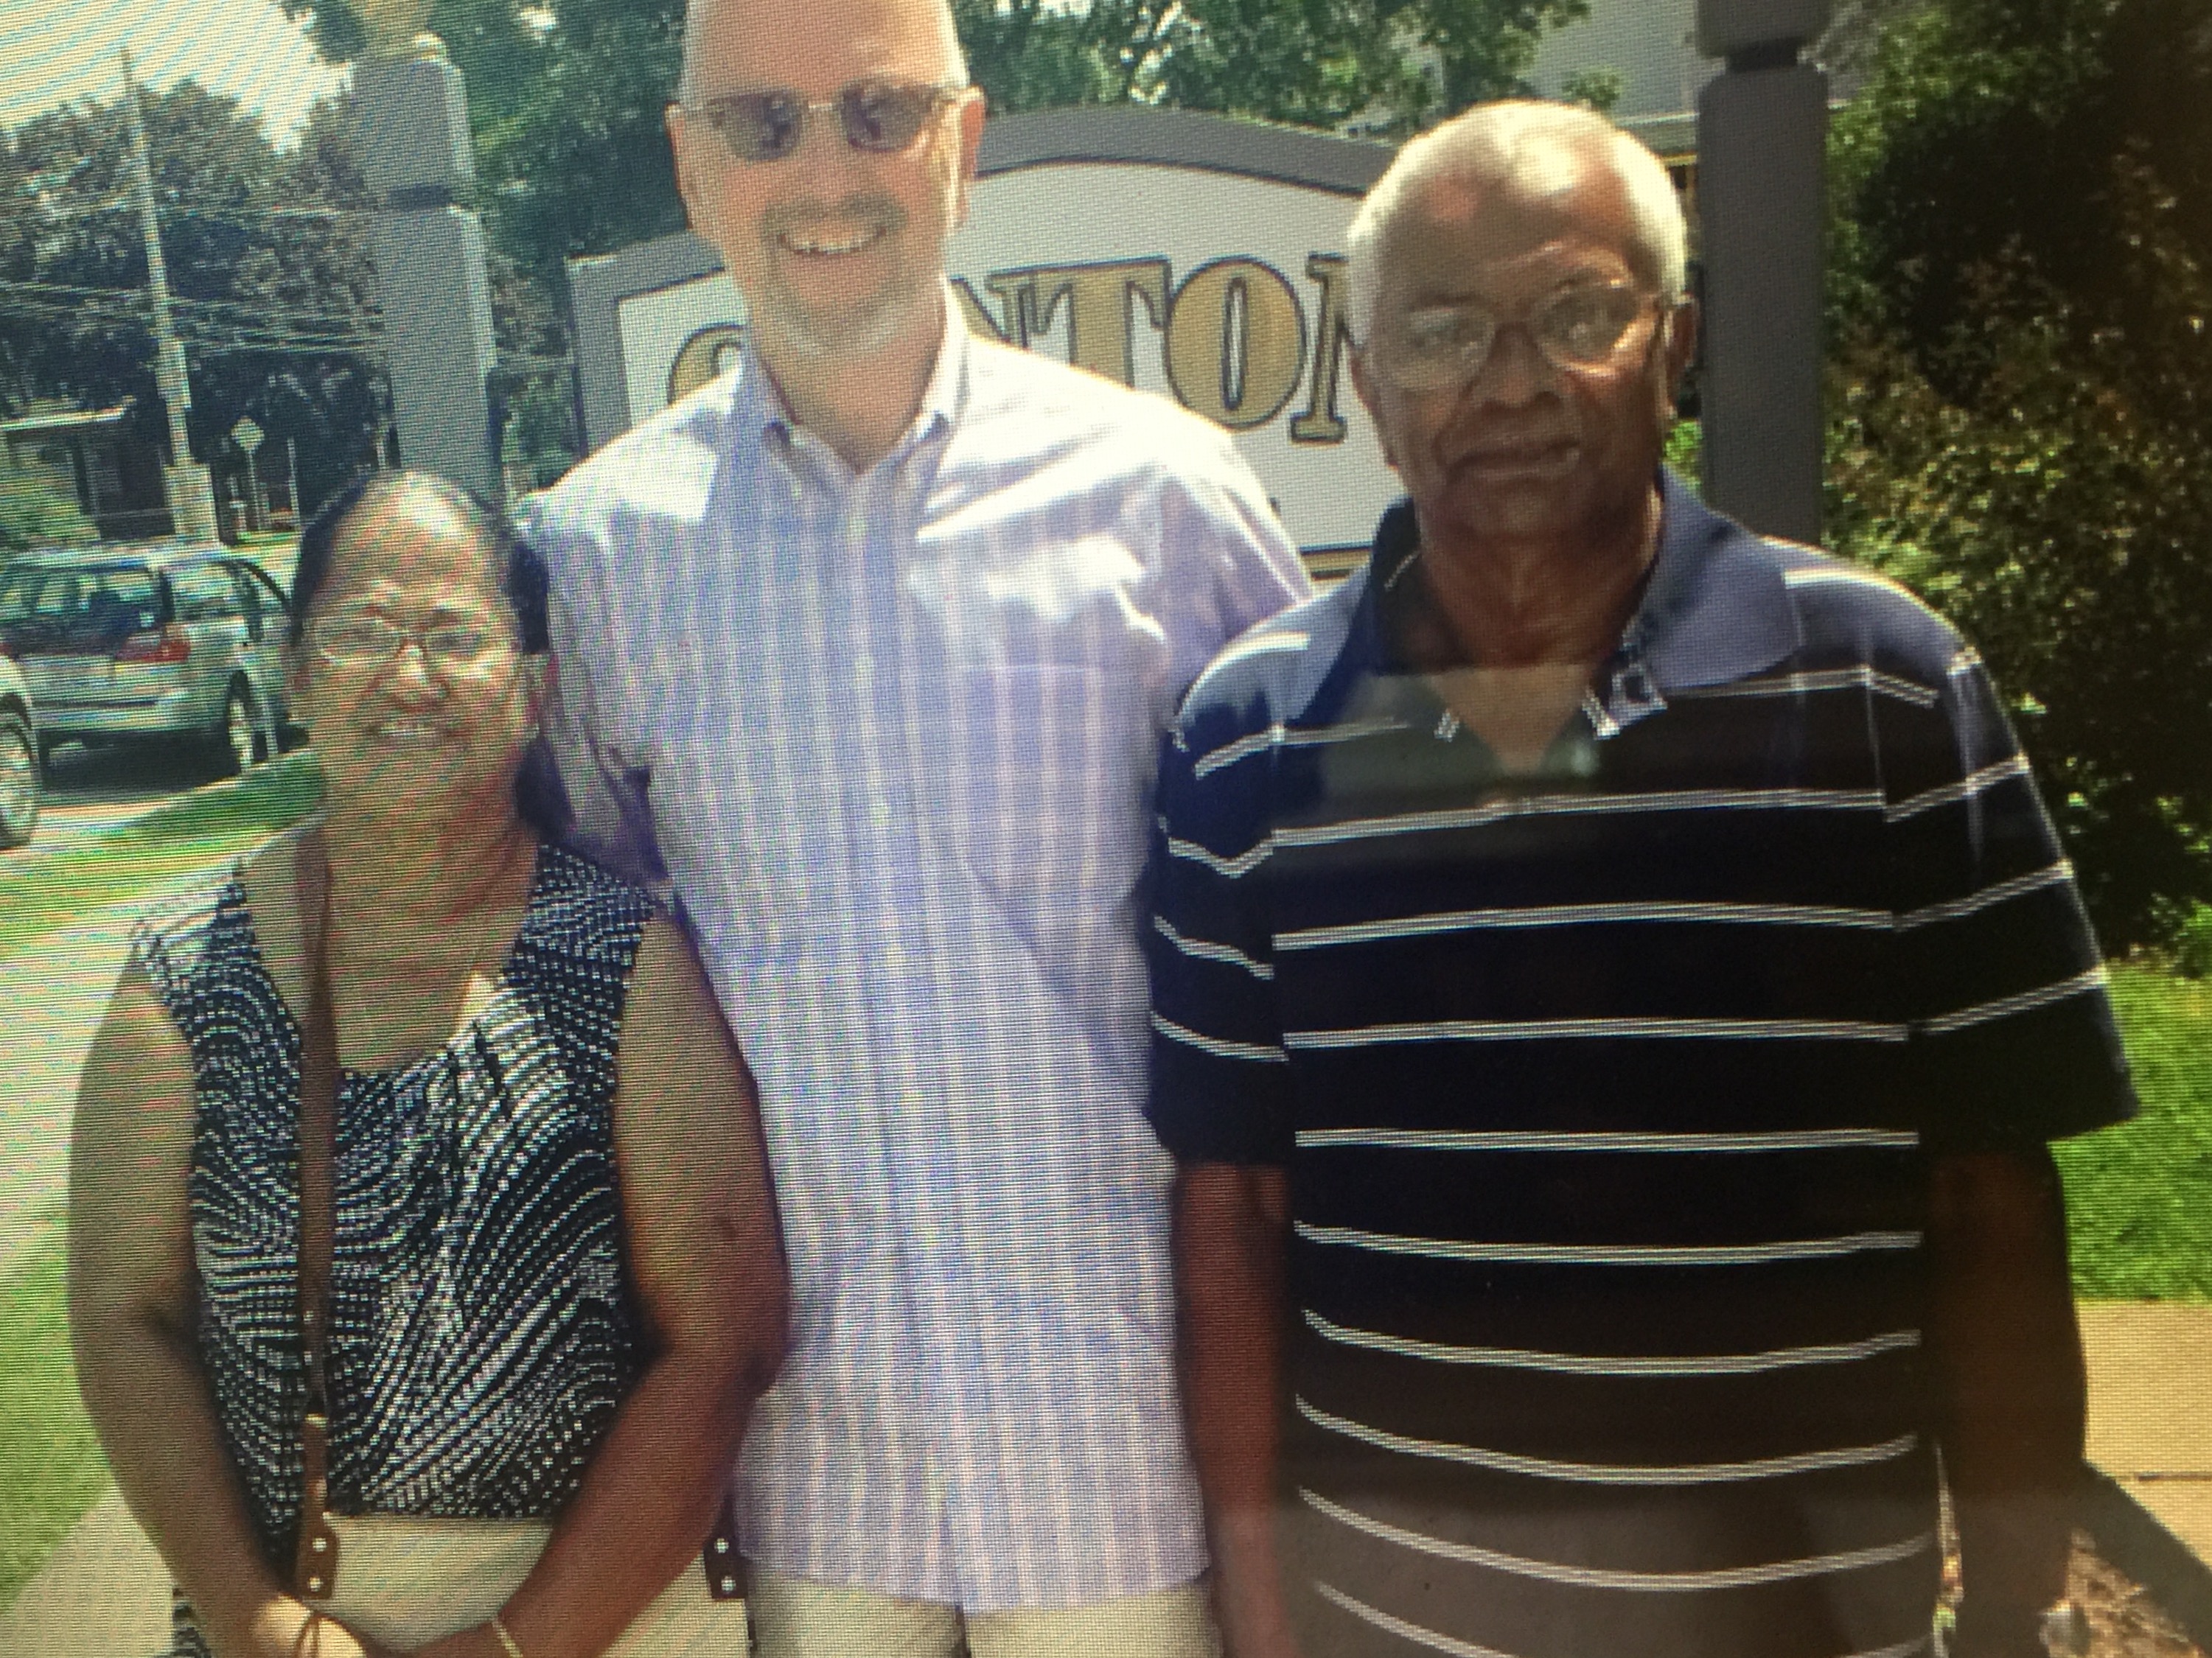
[
  {"x": 428, "y": 250},
  {"x": 1762, "y": 142}
]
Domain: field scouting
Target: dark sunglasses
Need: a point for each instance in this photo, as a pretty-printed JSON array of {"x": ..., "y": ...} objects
[{"x": 880, "y": 117}]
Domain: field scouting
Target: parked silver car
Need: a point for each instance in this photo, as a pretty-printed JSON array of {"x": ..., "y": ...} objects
[
  {"x": 21, "y": 779},
  {"x": 161, "y": 641}
]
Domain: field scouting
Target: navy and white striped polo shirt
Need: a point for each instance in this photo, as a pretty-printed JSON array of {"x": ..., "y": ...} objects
[{"x": 1609, "y": 1095}]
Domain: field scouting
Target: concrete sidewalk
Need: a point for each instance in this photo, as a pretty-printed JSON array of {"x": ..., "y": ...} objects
[
  {"x": 104, "y": 1594},
  {"x": 2150, "y": 1412}
]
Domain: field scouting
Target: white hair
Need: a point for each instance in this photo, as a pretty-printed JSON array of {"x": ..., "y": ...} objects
[
  {"x": 1518, "y": 139},
  {"x": 696, "y": 13}
]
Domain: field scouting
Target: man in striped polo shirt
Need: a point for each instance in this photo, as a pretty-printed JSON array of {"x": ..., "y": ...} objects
[{"x": 1614, "y": 983}]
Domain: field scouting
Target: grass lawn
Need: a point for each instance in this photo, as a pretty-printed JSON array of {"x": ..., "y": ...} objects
[
  {"x": 2139, "y": 1198},
  {"x": 51, "y": 1468},
  {"x": 43, "y": 891}
]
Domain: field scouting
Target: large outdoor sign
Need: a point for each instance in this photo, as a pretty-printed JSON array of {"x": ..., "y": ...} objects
[{"x": 1195, "y": 257}]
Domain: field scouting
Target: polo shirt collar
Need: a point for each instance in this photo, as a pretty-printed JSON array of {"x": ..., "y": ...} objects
[{"x": 1716, "y": 609}]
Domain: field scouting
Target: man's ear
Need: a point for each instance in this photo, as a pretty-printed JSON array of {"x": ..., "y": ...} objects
[
  {"x": 1363, "y": 383},
  {"x": 972, "y": 117},
  {"x": 680, "y": 135},
  {"x": 1684, "y": 321}
]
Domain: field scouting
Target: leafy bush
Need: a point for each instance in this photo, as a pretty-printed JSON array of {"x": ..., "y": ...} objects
[
  {"x": 34, "y": 511},
  {"x": 2020, "y": 405},
  {"x": 2193, "y": 953}
]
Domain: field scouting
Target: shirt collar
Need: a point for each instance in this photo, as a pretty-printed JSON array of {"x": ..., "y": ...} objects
[
  {"x": 759, "y": 415},
  {"x": 1715, "y": 610}
]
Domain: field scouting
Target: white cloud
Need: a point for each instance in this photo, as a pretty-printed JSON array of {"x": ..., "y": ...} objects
[{"x": 52, "y": 52}]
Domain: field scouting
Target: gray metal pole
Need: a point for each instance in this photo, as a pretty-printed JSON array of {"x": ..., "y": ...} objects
[
  {"x": 1762, "y": 141},
  {"x": 429, "y": 252},
  {"x": 190, "y": 489}
]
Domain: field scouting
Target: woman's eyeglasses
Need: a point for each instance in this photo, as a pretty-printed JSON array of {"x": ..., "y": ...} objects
[
  {"x": 364, "y": 639},
  {"x": 880, "y": 117}
]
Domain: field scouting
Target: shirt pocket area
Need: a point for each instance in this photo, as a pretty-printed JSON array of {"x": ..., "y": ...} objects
[{"x": 1048, "y": 771}]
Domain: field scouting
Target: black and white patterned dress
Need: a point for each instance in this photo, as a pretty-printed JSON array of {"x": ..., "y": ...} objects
[{"x": 482, "y": 1328}]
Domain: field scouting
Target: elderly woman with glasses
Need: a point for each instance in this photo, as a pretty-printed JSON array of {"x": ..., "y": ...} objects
[{"x": 423, "y": 1256}]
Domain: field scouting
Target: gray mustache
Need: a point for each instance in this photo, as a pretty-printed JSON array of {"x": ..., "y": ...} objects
[{"x": 871, "y": 209}]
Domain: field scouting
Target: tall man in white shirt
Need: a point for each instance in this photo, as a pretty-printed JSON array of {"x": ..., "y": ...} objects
[{"x": 867, "y": 647}]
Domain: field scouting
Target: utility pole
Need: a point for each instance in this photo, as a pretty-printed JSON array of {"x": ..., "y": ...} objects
[{"x": 191, "y": 491}]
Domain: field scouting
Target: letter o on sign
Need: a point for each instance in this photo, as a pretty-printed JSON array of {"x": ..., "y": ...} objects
[
  {"x": 705, "y": 355},
  {"x": 1236, "y": 343}
]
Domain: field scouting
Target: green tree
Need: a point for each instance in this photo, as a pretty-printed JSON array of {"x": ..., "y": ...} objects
[
  {"x": 565, "y": 101},
  {"x": 272, "y": 295},
  {"x": 565, "y": 107},
  {"x": 270, "y": 267},
  {"x": 1394, "y": 65},
  {"x": 2022, "y": 397},
  {"x": 35, "y": 512}
]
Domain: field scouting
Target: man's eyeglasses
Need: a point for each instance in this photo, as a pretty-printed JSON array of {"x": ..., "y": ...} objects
[
  {"x": 1434, "y": 348},
  {"x": 880, "y": 117},
  {"x": 356, "y": 639}
]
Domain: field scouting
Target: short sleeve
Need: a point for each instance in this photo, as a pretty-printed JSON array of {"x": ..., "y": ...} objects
[
  {"x": 1227, "y": 563},
  {"x": 1220, "y": 1076},
  {"x": 610, "y": 817},
  {"x": 2011, "y": 1038}
]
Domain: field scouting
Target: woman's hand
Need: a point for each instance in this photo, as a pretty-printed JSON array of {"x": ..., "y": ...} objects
[
  {"x": 283, "y": 1627},
  {"x": 475, "y": 1642}
]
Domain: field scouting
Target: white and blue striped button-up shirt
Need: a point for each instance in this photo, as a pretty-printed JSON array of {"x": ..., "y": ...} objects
[{"x": 891, "y": 738}]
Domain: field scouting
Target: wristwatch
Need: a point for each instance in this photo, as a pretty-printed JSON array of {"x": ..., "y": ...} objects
[
  {"x": 2061, "y": 1629},
  {"x": 2065, "y": 1629}
]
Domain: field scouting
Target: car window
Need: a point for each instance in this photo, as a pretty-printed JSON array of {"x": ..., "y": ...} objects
[
  {"x": 264, "y": 599},
  {"x": 204, "y": 593},
  {"x": 120, "y": 598},
  {"x": 262, "y": 586},
  {"x": 19, "y": 591},
  {"x": 101, "y": 598}
]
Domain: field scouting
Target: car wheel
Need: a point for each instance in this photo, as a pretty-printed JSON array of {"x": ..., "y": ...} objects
[
  {"x": 21, "y": 779},
  {"x": 238, "y": 741}
]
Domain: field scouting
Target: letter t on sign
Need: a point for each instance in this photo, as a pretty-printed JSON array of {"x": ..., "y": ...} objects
[{"x": 1100, "y": 301}]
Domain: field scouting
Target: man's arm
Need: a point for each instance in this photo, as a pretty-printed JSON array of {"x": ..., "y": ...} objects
[
  {"x": 611, "y": 817},
  {"x": 1227, "y": 563},
  {"x": 2013, "y": 1045},
  {"x": 1230, "y": 1222},
  {"x": 2010, "y": 1392}
]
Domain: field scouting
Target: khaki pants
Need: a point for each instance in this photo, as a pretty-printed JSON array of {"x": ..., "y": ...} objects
[{"x": 794, "y": 1618}]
